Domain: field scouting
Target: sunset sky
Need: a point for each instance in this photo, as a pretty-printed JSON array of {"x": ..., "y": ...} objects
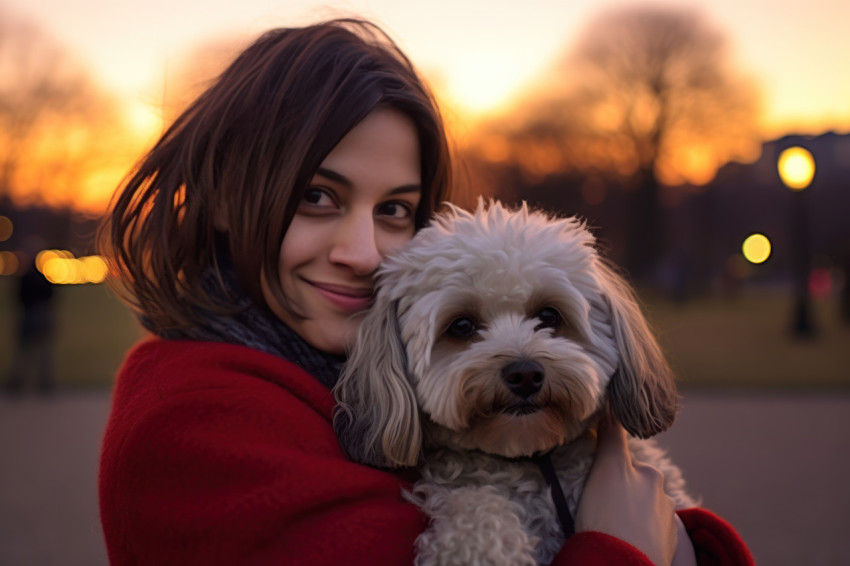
[
  {"x": 483, "y": 53},
  {"x": 479, "y": 58}
]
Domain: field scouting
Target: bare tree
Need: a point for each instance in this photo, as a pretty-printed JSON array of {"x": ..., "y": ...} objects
[
  {"x": 648, "y": 96},
  {"x": 658, "y": 89}
]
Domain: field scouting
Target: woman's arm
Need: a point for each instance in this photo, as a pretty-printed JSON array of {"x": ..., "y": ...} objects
[{"x": 240, "y": 470}]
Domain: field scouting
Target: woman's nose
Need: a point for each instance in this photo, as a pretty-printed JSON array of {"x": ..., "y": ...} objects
[{"x": 355, "y": 245}]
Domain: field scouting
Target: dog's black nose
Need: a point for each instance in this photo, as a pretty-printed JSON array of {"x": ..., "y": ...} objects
[{"x": 524, "y": 377}]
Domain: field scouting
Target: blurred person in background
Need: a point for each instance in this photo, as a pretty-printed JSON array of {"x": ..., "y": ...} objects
[
  {"x": 33, "y": 358},
  {"x": 247, "y": 240}
]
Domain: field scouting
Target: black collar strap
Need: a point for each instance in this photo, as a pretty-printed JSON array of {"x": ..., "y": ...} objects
[{"x": 544, "y": 461}]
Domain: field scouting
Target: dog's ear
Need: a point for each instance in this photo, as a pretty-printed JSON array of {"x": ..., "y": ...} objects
[
  {"x": 377, "y": 418},
  {"x": 642, "y": 393}
]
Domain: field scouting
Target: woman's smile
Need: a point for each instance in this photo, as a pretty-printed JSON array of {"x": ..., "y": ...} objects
[{"x": 344, "y": 297}]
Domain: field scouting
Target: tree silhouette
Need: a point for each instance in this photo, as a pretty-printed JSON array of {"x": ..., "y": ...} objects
[
  {"x": 657, "y": 88},
  {"x": 647, "y": 97}
]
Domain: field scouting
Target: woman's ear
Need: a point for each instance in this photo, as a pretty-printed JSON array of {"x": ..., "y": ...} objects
[
  {"x": 642, "y": 392},
  {"x": 377, "y": 419}
]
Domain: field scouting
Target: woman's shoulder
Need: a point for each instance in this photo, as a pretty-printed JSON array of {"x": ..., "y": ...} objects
[
  {"x": 220, "y": 392},
  {"x": 164, "y": 353},
  {"x": 161, "y": 370},
  {"x": 188, "y": 359}
]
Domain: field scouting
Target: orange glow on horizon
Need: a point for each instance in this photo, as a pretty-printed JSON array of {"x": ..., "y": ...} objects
[
  {"x": 81, "y": 165},
  {"x": 89, "y": 185},
  {"x": 486, "y": 64}
]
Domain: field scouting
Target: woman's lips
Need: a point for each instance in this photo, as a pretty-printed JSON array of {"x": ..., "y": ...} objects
[{"x": 346, "y": 298}]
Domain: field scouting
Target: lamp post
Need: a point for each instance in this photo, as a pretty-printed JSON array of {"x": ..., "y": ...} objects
[{"x": 796, "y": 167}]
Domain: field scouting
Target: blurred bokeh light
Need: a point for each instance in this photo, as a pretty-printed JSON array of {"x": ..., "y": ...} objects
[
  {"x": 796, "y": 168},
  {"x": 60, "y": 267},
  {"x": 6, "y": 228},
  {"x": 756, "y": 248},
  {"x": 9, "y": 263}
]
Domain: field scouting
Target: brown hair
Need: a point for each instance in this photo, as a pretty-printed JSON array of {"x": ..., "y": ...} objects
[{"x": 247, "y": 149}]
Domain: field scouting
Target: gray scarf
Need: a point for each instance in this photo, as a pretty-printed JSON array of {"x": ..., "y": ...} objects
[{"x": 254, "y": 326}]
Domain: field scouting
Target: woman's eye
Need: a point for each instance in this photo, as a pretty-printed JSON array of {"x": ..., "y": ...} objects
[
  {"x": 462, "y": 328},
  {"x": 548, "y": 317},
  {"x": 395, "y": 210},
  {"x": 317, "y": 197}
]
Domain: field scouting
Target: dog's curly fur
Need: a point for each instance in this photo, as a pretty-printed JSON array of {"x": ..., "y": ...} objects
[{"x": 497, "y": 335}]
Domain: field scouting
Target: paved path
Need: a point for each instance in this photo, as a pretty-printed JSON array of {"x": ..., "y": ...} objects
[
  {"x": 48, "y": 479},
  {"x": 777, "y": 466}
]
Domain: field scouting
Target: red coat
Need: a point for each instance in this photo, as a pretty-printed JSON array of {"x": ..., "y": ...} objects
[{"x": 220, "y": 454}]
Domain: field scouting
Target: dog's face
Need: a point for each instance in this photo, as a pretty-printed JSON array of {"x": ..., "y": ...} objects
[
  {"x": 503, "y": 325},
  {"x": 496, "y": 319}
]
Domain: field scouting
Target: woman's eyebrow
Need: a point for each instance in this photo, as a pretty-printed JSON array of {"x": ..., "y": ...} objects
[
  {"x": 412, "y": 188},
  {"x": 332, "y": 175}
]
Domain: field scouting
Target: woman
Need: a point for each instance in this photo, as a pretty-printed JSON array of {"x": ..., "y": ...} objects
[{"x": 246, "y": 241}]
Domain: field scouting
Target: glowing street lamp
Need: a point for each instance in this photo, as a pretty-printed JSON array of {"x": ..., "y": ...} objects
[
  {"x": 796, "y": 167},
  {"x": 756, "y": 248}
]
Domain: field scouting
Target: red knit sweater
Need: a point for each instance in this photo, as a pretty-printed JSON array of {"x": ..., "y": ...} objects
[{"x": 220, "y": 454}]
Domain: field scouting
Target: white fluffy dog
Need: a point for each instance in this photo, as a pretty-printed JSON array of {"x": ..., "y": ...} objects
[{"x": 495, "y": 341}]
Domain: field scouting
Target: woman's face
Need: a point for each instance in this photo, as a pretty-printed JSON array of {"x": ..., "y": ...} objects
[{"x": 360, "y": 207}]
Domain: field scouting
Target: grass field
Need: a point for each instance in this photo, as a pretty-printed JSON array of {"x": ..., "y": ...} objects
[
  {"x": 94, "y": 332},
  {"x": 746, "y": 342},
  {"x": 710, "y": 342}
]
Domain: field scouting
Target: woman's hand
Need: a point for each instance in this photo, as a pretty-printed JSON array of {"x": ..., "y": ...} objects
[{"x": 626, "y": 500}]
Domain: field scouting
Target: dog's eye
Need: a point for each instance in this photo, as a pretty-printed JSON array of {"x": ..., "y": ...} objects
[
  {"x": 462, "y": 327},
  {"x": 548, "y": 317}
]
